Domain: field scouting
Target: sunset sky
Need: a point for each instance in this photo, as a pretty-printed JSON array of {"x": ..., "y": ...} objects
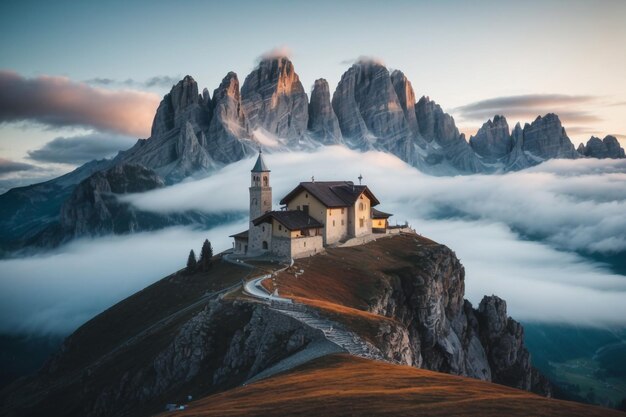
[{"x": 82, "y": 79}]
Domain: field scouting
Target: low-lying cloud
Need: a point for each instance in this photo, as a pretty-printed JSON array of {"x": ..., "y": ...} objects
[
  {"x": 158, "y": 81},
  {"x": 8, "y": 167},
  {"x": 57, "y": 292},
  {"x": 519, "y": 236},
  {"x": 59, "y": 101},
  {"x": 81, "y": 149}
]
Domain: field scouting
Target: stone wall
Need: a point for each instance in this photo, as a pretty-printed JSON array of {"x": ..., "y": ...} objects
[{"x": 306, "y": 246}]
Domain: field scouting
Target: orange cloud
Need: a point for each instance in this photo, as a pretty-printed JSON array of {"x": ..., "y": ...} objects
[{"x": 59, "y": 101}]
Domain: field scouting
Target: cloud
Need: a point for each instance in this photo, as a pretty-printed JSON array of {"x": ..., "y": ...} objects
[
  {"x": 517, "y": 234},
  {"x": 81, "y": 149},
  {"x": 363, "y": 59},
  {"x": 58, "y": 101},
  {"x": 8, "y": 167},
  {"x": 159, "y": 81},
  {"x": 528, "y": 236},
  {"x": 57, "y": 292},
  {"x": 278, "y": 52}
]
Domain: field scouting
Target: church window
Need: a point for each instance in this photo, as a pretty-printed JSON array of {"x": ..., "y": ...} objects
[
  {"x": 304, "y": 244},
  {"x": 342, "y": 211},
  {"x": 263, "y": 228},
  {"x": 342, "y": 222},
  {"x": 265, "y": 181},
  {"x": 361, "y": 222},
  {"x": 306, "y": 195},
  {"x": 265, "y": 245},
  {"x": 333, "y": 223},
  {"x": 361, "y": 206},
  {"x": 280, "y": 227}
]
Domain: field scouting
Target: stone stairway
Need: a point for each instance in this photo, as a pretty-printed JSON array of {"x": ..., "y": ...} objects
[{"x": 333, "y": 331}]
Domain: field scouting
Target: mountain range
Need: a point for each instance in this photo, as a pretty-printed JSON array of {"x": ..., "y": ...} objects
[{"x": 197, "y": 133}]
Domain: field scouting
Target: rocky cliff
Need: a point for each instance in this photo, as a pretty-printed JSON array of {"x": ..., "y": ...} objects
[
  {"x": 545, "y": 138},
  {"x": 608, "y": 147},
  {"x": 493, "y": 140},
  {"x": 274, "y": 100},
  {"x": 323, "y": 124},
  {"x": 369, "y": 112},
  {"x": 446, "y": 146}
]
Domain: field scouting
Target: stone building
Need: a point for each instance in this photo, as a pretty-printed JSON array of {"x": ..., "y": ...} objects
[{"x": 313, "y": 215}]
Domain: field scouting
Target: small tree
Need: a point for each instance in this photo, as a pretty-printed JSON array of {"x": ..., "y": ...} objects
[
  {"x": 206, "y": 254},
  {"x": 191, "y": 262}
]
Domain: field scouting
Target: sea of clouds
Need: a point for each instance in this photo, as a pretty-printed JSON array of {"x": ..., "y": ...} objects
[{"x": 520, "y": 236}]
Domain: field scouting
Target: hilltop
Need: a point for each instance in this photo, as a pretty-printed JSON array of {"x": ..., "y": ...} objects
[{"x": 397, "y": 300}]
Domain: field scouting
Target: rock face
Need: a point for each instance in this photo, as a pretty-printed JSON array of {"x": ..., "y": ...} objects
[
  {"x": 406, "y": 96},
  {"x": 446, "y": 334},
  {"x": 545, "y": 138},
  {"x": 273, "y": 99},
  {"x": 517, "y": 159},
  {"x": 369, "y": 111},
  {"x": 229, "y": 135},
  {"x": 608, "y": 147},
  {"x": 323, "y": 124},
  {"x": 93, "y": 209},
  {"x": 181, "y": 105},
  {"x": 493, "y": 140},
  {"x": 503, "y": 339},
  {"x": 177, "y": 146},
  {"x": 447, "y": 145}
]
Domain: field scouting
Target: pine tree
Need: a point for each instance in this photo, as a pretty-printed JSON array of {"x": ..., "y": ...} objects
[
  {"x": 191, "y": 262},
  {"x": 206, "y": 254}
]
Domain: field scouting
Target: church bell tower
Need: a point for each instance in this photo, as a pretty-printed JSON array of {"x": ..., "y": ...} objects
[{"x": 260, "y": 203}]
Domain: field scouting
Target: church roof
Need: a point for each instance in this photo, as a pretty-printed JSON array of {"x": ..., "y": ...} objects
[
  {"x": 377, "y": 214},
  {"x": 260, "y": 164},
  {"x": 291, "y": 219},
  {"x": 240, "y": 235},
  {"x": 332, "y": 193}
]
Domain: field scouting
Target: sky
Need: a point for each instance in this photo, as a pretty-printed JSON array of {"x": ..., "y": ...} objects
[
  {"x": 94, "y": 72},
  {"x": 573, "y": 209}
]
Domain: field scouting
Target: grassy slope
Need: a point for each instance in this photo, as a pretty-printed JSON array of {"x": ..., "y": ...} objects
[
  {"x": 341, "y": 385},
  {"x": 341, "y": 282}
]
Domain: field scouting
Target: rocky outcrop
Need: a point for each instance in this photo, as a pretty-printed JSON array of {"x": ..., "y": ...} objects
[
  {"x": 92, "y": 208},
  {"x": 493, "y": 140},
  {"x": 230, "y": 139},
  {"x": 369, "y": 112},
  {"x": 608, "y": 147},
  {"x": 323, "y": 124},
  {"x": 406, "y": 96},
  {"x": 447, "y": 146},
  {"x": 503, "y": 339},
  {"x": 545, "y": 138},
  {"x": 517, "y": 159},
  {"x": 181, "y": 105},
  {"x": 445, "y": 333},
  {"x": 273, "y": 99},
  {"x": 177, "y": 146}
]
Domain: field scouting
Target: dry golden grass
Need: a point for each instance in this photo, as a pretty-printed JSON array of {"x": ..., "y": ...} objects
[{"x": 342, "y": 385}]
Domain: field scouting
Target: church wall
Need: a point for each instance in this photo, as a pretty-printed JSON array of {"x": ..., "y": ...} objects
[
  {"x": 337, "y": 224},
  {"x": 362, "y": 211},
  {"x": 306, "y": 246},
  {"x": 257, "y": 235},
  {"x": 317, "y": 210}
]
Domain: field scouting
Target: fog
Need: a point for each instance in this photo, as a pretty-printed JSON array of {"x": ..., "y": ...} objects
[
  {"x": 519, "y": 235},
  {"x": 57, "y": 292}
]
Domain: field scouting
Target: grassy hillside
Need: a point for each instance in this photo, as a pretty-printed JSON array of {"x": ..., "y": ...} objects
[{"x": 342, "y": 385}]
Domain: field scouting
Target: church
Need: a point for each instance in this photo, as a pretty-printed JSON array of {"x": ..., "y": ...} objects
[{"x": 312, "y": 216}]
